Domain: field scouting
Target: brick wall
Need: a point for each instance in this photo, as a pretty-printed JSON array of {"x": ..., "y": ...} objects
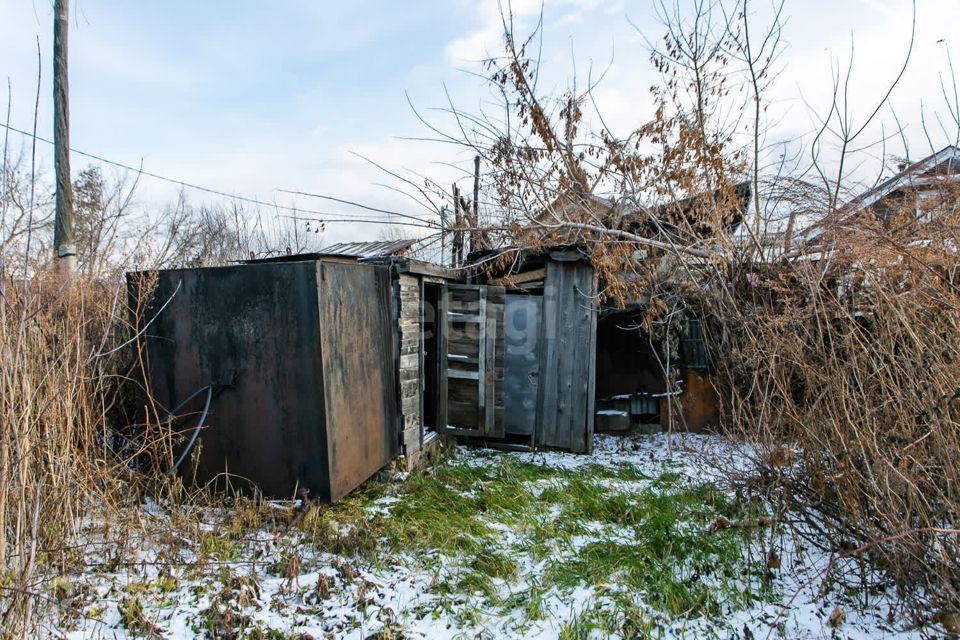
[{"x": 409, "y": 372}]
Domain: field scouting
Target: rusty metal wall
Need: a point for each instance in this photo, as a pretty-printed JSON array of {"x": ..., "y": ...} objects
[
  {"x": 358, "y": 372},
  {"x": 264, "y": 326},
  {"x": 699, "y": 404}
]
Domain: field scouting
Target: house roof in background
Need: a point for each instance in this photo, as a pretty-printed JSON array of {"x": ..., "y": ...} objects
[{"x": 909, "y": 177}]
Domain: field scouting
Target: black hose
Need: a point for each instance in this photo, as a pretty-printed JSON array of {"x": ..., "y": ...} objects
[{"x": 196, "y": 430}]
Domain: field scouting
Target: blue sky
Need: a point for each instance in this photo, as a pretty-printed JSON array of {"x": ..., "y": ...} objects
[{"x": 248, "y": 97}]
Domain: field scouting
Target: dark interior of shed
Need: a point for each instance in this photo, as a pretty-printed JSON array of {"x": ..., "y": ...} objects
[
  {"x": 626, "y": 362},
  {"x": 629, "y": 374},
  {"x": 431, "y": 354}
]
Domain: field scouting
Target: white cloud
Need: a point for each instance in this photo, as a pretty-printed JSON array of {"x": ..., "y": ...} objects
[{"x": 486, "y": 38}]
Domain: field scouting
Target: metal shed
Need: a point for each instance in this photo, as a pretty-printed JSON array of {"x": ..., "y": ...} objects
[{"x": 299, "y": 354}]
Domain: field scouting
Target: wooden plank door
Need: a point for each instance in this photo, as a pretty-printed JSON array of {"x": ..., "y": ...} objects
[
  {"x": 568, "y": 358},
  {"x": 471, "y": 360}
]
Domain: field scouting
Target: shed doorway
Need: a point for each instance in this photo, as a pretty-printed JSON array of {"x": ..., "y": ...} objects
[{"x": 430, "y": 363}]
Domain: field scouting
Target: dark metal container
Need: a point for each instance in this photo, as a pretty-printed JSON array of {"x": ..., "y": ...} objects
[{"x": 300, "y": 354}]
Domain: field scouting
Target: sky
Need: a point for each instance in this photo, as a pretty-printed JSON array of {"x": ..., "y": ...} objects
[{"x": 253, "y": 97}]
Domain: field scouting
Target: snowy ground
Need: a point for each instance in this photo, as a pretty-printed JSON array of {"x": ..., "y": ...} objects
[{"x": 637, "y": 540}]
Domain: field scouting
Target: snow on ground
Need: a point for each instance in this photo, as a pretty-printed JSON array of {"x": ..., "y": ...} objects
[{"x": 519, "y": 580}]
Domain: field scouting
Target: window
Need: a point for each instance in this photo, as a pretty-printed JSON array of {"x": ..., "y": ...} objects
[{"x": 694, "y": 348}]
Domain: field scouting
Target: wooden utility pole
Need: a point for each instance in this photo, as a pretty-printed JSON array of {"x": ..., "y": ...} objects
[
  {"x": 475, "y": 243},
  {"x": 457, "y": 228},
  {"x": 443, "y": 233},
  {"x": 63, "y": 243}
]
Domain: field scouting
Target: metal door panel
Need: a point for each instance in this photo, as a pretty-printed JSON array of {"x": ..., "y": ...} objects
[{"x": 522, "y": 317}]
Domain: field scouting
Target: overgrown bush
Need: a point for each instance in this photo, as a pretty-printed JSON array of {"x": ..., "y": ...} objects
[{"x": 844, "y": 361}]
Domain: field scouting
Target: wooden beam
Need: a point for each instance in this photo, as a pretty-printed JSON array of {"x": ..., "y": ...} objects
[
  {"x": 420, "y": 268},
  {"x": 442, "y": 382},
  {"x": 488, "y": 351},
  {"x": 520, "y": 278},
  {"x": 463, "y": 375},
  {"x": 482, "y": 364},
  {"x": 466, "y": 318}
]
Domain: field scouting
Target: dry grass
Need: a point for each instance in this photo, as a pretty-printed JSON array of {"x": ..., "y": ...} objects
[
  {"x": 60, "y": 385},
  {"x": 846, "y": 366}
]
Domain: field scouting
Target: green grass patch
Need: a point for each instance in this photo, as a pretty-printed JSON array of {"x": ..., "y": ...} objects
[
  {"x": 622, "y": 471},
  {"x": 643, "y": 542},
  {"x": 620, "y": 615},
  {"x": 668, "y": 477},
  {"x": 585, "y": 499},
  {"x": 432, "y": 515},
  {"x": 675, "y": 561}
]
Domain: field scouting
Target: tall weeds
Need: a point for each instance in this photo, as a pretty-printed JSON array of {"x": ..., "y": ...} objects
[
  {"x": 58, "y": 400},
  {"x": 844, "y": 360}
]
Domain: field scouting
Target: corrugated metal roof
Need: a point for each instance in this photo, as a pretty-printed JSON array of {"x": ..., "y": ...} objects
[{"x": 379, "y": 249}]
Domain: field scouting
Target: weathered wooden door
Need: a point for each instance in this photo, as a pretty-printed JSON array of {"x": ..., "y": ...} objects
[
  {"x": 568, "y": 357},
  {"x": 471, "y": 360}
]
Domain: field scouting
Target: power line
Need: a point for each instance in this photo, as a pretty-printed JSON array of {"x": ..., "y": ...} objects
[
  {"x": 197, "y": 187},
  {"x": 353, "y": 204}
]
